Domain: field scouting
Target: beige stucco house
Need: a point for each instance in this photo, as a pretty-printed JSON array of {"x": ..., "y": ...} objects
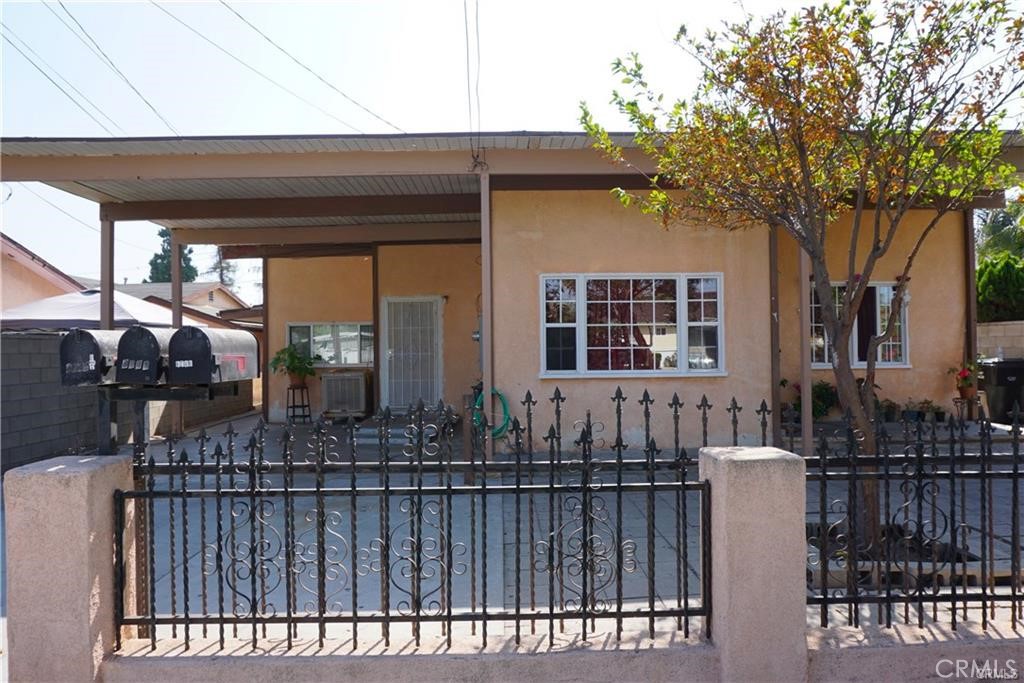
[
  {"x": 429, "y": 262},
  {"x": 26, "y": 276}
]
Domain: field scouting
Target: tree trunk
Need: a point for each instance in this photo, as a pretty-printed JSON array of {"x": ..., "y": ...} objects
[{"x": 859, "y": 407}]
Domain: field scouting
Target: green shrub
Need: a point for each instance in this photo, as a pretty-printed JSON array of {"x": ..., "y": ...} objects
[
  {"x": 1001, "y": 288},
  {"x": 824, "y": 397}
]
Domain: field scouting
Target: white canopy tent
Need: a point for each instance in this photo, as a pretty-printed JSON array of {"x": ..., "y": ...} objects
[{"x": 82, "y": 309}]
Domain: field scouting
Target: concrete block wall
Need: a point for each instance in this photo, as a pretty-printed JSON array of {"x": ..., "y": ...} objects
[
  {"x": 39, "y": 416},
  {"x": 1008, "y": 335}
]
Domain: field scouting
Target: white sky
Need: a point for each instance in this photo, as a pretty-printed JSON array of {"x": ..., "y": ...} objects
[{"x": 405, "y": 61}]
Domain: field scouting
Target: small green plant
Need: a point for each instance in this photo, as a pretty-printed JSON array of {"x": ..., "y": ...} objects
[
  {"x": 823, "y": 398},
  {"x": 888, "y": 409},
  {"x": 293, "y": 361}
]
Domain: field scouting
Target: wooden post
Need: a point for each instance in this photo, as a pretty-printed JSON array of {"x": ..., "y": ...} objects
[
  {"x": 971, "y": 290},
  {"x": 776, "y": 345},
  {"x": 176, "y": 408},
  {"x": 487, "y": 303},
  {"x": 106, "y": 275},
  {"x": 806, "y": 416}
]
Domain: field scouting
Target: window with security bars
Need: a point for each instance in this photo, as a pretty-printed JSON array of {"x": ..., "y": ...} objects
[
  {"x": 334, "y": 344},
  {"x": 871, "y": 319},
  {"x": 634, "y": 324}
]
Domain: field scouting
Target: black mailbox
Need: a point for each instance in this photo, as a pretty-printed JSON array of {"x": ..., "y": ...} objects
[
  {"x": 88, "y": 356},
  {"x": 142, "y": 355},
  {"x": 208, "y": 356}
]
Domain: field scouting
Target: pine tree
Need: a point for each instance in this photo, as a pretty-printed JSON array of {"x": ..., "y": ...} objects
[
  {"x": 224, "y": 269},
  {"x": 160, "y": 264}
]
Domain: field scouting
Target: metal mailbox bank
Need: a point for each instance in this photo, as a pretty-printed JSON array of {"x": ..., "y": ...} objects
[
  {"x": 201, "y": 357},
  {"x": 87, "y": 357},
  {"x": 142, "y": 356}
]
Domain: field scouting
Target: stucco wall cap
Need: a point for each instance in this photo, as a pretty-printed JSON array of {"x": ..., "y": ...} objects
[
  {"x": 68, "y": 466},
  {"x": 748, "y": 454}
]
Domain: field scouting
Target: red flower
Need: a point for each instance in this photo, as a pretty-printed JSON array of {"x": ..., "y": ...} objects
[{"x": 964, "y": 374}]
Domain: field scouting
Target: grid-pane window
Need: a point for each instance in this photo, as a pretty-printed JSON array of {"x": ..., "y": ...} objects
[
  {"x": 334, "y": 344},
  {"x": 821, "y": 347},
  {"x": 596, "y": 324},
  {"x": 702, "y": 338},
  {"x": 872, "y": 317},
  {"x": 631, "y": 323},
  {"x": 560, "y": 303}
]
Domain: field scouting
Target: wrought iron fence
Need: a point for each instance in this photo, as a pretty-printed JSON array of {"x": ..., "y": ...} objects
[
  {"x": 924, "y": 527},
  {"x": 555, "y": 532}
]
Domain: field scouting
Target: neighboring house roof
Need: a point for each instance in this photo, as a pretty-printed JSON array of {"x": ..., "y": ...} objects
[
  {"x": 162, "y": 290},
  {"x": 82, "y": 309},
  {"x": 11, "y": 249},
  {"x": 212, "y": 318}
]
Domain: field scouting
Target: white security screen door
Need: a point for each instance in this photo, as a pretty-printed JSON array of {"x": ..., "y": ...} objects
[{"x": 411, "y": 366}]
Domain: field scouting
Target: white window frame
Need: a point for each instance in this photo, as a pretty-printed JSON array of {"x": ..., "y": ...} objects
[
  {"x": 320, "y": 364},
  {"x": 682, "y": 327},
  {"x": 905, "y": 332}
]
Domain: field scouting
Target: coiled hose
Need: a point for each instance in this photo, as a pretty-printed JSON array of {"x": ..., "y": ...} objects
[{"x": 497, "y": 431}]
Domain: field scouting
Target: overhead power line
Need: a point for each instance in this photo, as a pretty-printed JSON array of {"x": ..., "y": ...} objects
[
  {"x": 473, "y": 148},
  {"x": 58, "y": 86},
  {"x": 113, "y": 66},
  {"x": 58, "y": 75},
  {"x": 252, "y": 68},
  {"x": 307, "y": 68},
  {"x": 79, "y": 220}
]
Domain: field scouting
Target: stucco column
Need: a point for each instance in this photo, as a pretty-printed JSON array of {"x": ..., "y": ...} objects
[
  {"x": 758, "y": 561},
  {"x": 60, "y": 565}
]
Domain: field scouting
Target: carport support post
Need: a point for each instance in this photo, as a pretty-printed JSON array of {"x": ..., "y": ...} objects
[
  {"x": 758, "y": 556},
  {"x": 106, "y": 410},
  {"x": 177, "y": 410}
]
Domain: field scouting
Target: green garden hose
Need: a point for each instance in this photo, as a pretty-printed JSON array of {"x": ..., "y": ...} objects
[{"x": 497, "y": 431}]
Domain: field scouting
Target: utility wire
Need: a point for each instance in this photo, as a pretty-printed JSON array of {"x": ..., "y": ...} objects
[
  {"x": 79, "y": 220},
  {"x": 113, "y": 66},
  {"x": 252, "y": 68},
  {"x": 479, "y": 118},
  {"x": 307, "y": 68},
  {"x": 58, "y": 86},
  {"x": 75, "y": 33},
  {"x": 474, "y": 148},
  {"x": 58, "y": 74},
  {"x": 469, "y": 92}
]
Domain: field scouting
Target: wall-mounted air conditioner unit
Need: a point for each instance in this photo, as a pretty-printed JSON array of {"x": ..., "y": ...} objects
[{"x": 344, "y": 394}]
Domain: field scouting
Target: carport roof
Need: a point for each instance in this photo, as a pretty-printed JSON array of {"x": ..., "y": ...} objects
[
  {"x": 290, "y": 144},
  {"x": 233, "y": 182}
]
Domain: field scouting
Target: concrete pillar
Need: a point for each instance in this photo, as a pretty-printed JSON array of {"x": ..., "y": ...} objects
[
  {"x": 758, "y": 562},
  {"x": 60, "y": 565}
]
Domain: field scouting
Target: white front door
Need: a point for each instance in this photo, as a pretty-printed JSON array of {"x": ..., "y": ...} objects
[{"x": 412, "y": 343}]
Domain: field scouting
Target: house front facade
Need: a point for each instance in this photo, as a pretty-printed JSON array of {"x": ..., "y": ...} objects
[{"x": 418, "y": 265}]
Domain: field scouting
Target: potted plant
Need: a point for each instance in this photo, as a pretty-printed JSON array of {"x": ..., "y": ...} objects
[
  {"x": 888, "y": 409},
  {"x": 967, "y": 377},
  {"x": 911, "y": 411},
  {"x": 823, "y": 399},
  {"x": 297, "y": 364},
  {"x": 928, "y": 406}
]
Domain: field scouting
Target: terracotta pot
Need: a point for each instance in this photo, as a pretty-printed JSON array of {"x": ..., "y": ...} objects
[
  {"x": 968, "y": 393},
  {"x": 296, "y": 380}
]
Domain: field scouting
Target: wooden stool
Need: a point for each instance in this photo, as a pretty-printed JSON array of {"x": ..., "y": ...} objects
[{"x": 298, "y": 404}]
